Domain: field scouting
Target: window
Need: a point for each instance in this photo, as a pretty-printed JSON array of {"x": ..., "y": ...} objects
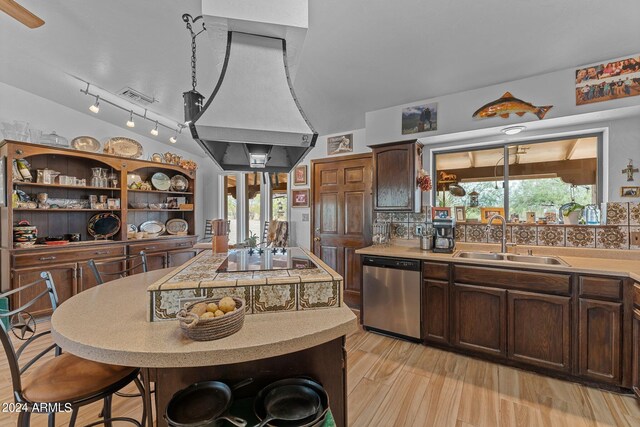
[
  {"x": 279, "y": 198},
  {"x": 231, "y": 206},
  {"x": 538, "y": 177}
]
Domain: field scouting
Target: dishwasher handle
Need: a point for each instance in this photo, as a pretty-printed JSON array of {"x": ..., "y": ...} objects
[{"x": 394, "y": 263}]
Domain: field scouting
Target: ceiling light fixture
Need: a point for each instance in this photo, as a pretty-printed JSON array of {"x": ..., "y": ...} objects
[
  {"x": 174, "y": 138},
  {"x": 95, "y": 108},
  {"x": 130, "y": 122},
  {"x": 513, "y": 130},
  {"x": 103, "y": 96}
]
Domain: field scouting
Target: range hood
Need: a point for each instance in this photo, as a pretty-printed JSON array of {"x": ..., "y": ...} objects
[{"x": 252, "y": 120}]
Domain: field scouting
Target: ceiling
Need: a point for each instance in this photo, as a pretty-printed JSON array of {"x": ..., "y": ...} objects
[{"x": 359, "y": 55}]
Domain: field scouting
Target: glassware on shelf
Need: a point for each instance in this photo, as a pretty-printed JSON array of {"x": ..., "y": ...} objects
[
  {"x": 95, "y": 177},
  {"x": 113, "y": 179}
]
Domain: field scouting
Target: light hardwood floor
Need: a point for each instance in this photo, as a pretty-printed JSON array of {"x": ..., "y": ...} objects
[{"x": 396, "y": 383}]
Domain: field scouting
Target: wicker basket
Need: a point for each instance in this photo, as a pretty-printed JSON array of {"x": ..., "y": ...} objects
[{"x": 213, "y": 328}]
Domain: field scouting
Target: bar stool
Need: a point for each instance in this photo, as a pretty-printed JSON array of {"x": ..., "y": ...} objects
[{"x": 130, "y": 267}]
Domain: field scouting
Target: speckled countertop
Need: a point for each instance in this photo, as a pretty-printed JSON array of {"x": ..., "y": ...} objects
[
  {"x": 624, "y": 263},
  {"x": 108, "y": 324}
]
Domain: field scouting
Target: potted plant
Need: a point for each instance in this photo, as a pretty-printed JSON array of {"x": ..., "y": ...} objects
[{"x": 571, "y": 213}]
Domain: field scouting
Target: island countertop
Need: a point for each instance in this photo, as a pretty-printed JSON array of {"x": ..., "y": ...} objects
[{"x": 108, "y": 324}]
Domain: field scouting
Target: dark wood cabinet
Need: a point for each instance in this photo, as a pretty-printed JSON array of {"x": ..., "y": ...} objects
[
  {"x": 599, "y": 340},
  {"x": 176, "y": 258},
  {"x": 156, "y": 261},
  {"x": 64, "y": 279},
  {"x": 539, "y": 329},
  {"x": 635, "y": 380},
  {"x": 395, "y": 167},
  {"x": 87, "y": 280},
  {"x": 436, "y": 311},
  {"x": 480, "y": 319}
]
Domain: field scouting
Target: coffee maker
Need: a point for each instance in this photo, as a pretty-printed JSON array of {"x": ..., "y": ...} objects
[{"x": 445, "y": 231}]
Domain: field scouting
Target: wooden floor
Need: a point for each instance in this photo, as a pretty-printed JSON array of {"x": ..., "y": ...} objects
[{"x": 396, "y": 383}]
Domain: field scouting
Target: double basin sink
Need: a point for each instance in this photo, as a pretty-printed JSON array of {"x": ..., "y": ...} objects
[{"x": 531, "y": 259}]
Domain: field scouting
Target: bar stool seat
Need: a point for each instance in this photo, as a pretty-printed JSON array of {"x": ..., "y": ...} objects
[{"x": 68, "y": 378}]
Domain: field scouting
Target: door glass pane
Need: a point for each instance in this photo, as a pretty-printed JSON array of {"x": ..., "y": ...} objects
[
  {"x": 254, "y": 181},
  {"x": 473, "y": 181},
  {"x": 230, "y": 208},
  {"x": 547, "y": 175},
  {"x": 279, "y": 199}
]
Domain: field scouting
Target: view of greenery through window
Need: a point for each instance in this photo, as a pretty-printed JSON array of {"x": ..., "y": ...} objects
[{"x": 542, "y": 177}]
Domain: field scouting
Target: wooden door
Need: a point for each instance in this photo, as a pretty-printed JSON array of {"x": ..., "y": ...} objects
[
  {"x": 64, "y": 280},
  {"x": 176, "y": 258},
  {"x": 480, "y": 319},
  {"x": 636, "y": 352},
  {"x": 342, "y": 216},
  {"x": 436, "y": 311},
  {"x": 539, "y": 329},
  {"x": 87, "y": 280},
  {"x": 599, "y": 340}
]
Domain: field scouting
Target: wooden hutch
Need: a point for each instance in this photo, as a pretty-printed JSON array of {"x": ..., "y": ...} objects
[{"x": 68, "y": 263}]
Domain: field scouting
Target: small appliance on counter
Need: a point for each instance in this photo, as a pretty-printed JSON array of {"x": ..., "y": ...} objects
[{"x": 445, "y": 231}]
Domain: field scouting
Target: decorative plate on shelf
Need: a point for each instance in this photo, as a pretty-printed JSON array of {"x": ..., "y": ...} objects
[
  {"x": 123, "y": 147},
  {"x": 153, "y": 227},
  {"x": 103, "y": 225},
  {"x": 132, "y": 228},
  {"x": 177, "y": 225},
  {"x": 157, "y": 157},
  {"x": 161, "y": 181},
  {"x": 85, "y": 143},
  {"x": 179, "y": 183}
]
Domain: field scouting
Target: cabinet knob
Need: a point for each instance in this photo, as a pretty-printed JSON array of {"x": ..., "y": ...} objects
[
  {"x": 150, "y": 247},
  {"x": 47, "y": 258},
  {"x": 100, "y": 252},
  {"x": 183, "y": 244},
  {"x": 316, "y": 239}
]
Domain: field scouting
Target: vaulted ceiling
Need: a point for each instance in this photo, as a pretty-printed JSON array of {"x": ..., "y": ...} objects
[{"x": 359, "y": 56}]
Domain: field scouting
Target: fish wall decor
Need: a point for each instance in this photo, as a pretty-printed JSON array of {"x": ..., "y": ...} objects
[{"x": 508, "y": 104}]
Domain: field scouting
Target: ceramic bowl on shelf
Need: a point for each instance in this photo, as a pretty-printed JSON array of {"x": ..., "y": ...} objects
[
  {"x": 138, "y": 205},
  {"x": 158, "y": 205}
]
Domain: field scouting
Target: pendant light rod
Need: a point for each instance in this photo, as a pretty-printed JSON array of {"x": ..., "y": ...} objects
[{"x": 177, "y": 129}]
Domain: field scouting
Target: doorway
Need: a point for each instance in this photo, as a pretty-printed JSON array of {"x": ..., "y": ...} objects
[{"x": 342, "y": 216}]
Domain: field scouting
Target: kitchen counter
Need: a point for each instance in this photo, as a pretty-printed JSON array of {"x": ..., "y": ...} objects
[{"x": 623, "y": 263}]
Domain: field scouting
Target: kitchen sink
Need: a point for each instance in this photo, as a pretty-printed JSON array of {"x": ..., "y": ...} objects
[{"x": 531, "y": 259}]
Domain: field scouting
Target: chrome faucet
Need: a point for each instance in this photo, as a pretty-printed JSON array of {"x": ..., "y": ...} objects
[{"x": 503, "y": 248}]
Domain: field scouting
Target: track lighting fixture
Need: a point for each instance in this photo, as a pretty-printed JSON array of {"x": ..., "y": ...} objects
[
  {"x": 174, "y": 138},
  {"x": 95, "y": 108},
  {"x": 130, "y": 122},
  {"x": 154, "y": 131}
]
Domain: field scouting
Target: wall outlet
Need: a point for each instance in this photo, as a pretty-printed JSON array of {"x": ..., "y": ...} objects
[
  {"x": 634, "y": 237},
  {"x": 305, "y": 217},
  {"x": 419, "y": 229}
]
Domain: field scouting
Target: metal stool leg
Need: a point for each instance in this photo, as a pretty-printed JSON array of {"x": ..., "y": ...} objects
[
  {"x": 24, "y": 419},
  {"x": 143, "y": 396},
  {"x": 147, "y": 396},
  {"x": 52, "y": 420},
  {"x": 106, "y": 411},
  {"x": 74, "y": 415}
]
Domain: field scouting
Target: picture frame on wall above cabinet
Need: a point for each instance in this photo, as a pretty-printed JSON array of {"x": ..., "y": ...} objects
[
  {"x": 440, "y": 212},
  {"x": 300, "y": 198},
  {"x": 609, "y": 80},
  {"x": 340, "y": 144},
  {"x": 629, "y": 191},
  {"x": 420, "y": 118},
  {"x": 300, "y": 175}
]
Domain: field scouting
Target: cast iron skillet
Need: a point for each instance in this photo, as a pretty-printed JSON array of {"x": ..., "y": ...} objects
[
  {"x": 259, "y": 406},
  {"x": 203, "y": 404},
  {"x": 290, "y": 403}
]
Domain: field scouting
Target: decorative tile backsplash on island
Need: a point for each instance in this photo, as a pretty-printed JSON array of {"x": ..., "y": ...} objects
[{"x": 623, "y": 222}]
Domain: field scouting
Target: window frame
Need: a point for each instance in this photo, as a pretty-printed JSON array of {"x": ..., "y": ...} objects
[{"x": 600, "y": 190}]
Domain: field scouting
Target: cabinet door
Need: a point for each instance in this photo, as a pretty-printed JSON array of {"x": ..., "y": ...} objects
[
  {"x": 64, "y": 279},
  {"x": 539, "y": 329},
  {"x": 87, "y": 280},
  {"x": 480, "y": 319},
  {"x": 394, "y": 177},
  {"x": 599, "y": 340},
  {"x": 636, "y": 352},
  {"x": 436, "y": 311},
  {"x": 176, "y": 258}
]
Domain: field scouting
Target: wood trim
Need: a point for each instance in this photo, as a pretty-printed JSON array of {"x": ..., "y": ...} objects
[{"x": 404, "y": 141}]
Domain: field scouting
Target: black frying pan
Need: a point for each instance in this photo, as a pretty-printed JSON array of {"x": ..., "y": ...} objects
[
  {"x": 292, "y": 402},
  {"x": 203, "y": 404},
  {"x": 313, "y": 420}
]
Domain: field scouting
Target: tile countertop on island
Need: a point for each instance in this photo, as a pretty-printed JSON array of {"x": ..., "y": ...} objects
[
  {"x": 264, "y": 291},
  {"x": 622, "y": 263}
]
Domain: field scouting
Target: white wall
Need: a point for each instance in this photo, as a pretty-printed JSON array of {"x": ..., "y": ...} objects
[
  {"x": 300, "y": 230},
  {"x": 46, "y": 115}
]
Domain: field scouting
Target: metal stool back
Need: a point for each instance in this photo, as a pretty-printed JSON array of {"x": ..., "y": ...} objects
[{"x": 131, "y": 265}]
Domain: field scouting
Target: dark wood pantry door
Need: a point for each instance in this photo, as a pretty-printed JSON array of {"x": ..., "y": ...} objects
[{"x": 341, "y": 216}]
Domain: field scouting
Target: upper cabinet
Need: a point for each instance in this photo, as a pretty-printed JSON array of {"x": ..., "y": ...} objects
[{"x": 395, "y": 169}]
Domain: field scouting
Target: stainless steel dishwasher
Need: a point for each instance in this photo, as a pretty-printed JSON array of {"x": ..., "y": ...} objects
[{"x": 391, "y": 296}]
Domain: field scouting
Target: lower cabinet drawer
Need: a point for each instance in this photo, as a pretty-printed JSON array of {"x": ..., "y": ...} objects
[
  {"x": 600, "y": 287},
  {"x": 160, "y": 246},
  {"x": 529, "y": 281},
  {"x": 67, "y": 255}
]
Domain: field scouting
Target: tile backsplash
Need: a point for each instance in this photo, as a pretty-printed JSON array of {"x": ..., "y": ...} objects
[{"x": 622, "y": 224}]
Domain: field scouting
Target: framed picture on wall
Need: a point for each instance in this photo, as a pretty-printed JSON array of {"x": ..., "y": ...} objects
[
  {"x": 630, "y": 191},
  {"x": 300, "y": 175},
  {"x": 460, "y": 214},
  {"x": 300, "y": 198},
  {"x": 420, "y": 118},
  {"x": 340, "y": 144},
  {"x": 440, "y": 212},
  {"x": 487, "y": 213}
]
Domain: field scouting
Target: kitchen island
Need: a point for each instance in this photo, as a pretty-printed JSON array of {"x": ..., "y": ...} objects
[{"x": 110, "y": 324}]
